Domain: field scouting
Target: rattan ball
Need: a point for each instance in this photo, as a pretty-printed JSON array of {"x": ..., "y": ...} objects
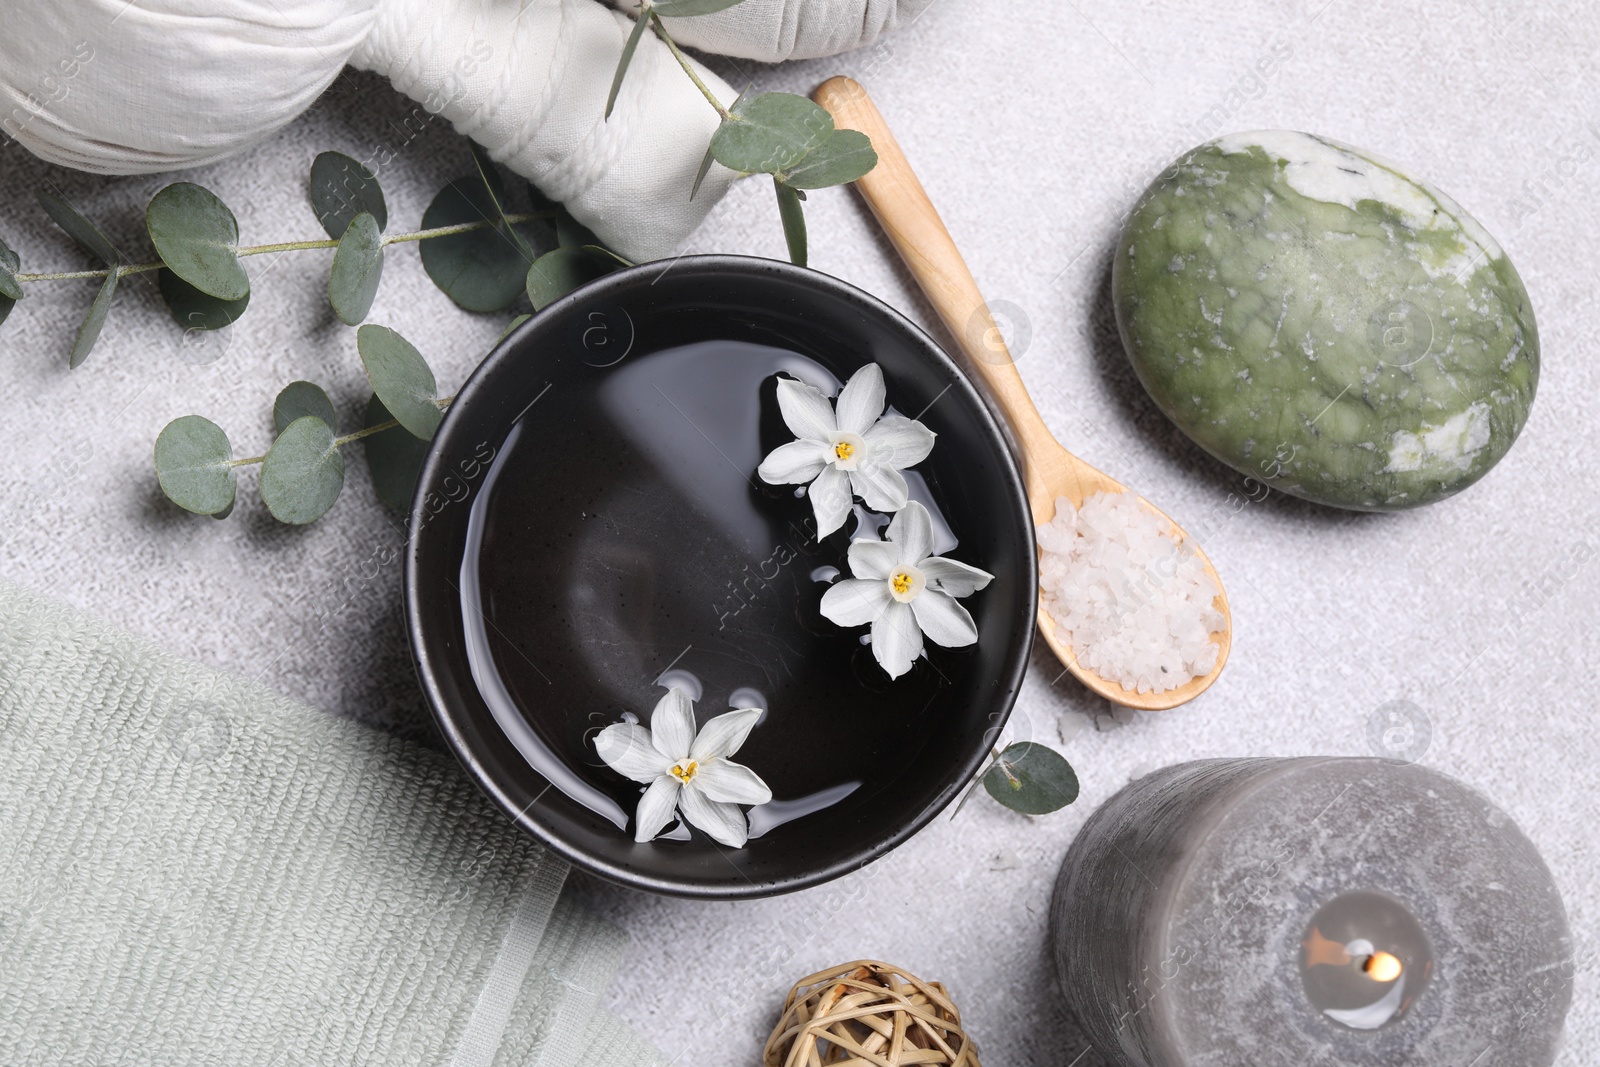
[{"x": 868, "y": 1013}]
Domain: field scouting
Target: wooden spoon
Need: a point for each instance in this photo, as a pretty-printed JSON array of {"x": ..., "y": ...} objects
[{"x": 907, "y": 215}]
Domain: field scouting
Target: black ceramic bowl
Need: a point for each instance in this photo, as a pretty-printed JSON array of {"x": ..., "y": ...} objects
[{"x": 589, "y": 528}]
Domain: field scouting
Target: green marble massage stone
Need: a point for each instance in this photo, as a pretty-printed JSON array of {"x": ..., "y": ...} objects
[{"x": 1316, "y": 319}]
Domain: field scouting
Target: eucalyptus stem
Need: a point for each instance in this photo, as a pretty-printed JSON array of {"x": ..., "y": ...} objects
[
  {"x": 284, "y": 246},
  {"x": 683, "y": 61},
  {"x": 349, "y": 438},
  {"x": 69, "y": 275},
  {"x": 977, "y": 780},
  {"x": 125, "y": 269},
  {"x": 365, "y": 431},
  {"x": 464, "y": 227}
]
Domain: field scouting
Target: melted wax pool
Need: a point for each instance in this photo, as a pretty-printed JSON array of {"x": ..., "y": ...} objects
[
  {"x": 1364, "y": 960},
  {"x": 622, "y": 542}
]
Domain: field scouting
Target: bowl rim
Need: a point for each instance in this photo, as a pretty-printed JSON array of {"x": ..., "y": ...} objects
[{"x": 955, "y": 779}]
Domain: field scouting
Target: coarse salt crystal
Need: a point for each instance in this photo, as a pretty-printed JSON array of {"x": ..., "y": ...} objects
[{"x": 1135, "y": 603}]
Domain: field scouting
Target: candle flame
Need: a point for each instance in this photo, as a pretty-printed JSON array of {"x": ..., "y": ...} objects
[
  {"x": 1382, "y": 967},
  {"x": 1323, "y": 951}
]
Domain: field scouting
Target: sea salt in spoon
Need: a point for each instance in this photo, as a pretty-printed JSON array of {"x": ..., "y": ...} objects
[{"x": 907, "y": 215}]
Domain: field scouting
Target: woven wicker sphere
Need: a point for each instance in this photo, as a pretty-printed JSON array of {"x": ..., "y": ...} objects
[{"x": 868, "y": 1013}]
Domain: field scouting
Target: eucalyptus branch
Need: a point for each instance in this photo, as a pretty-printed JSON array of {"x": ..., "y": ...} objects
[
  {"x": 787, "y": 136},
  {"x": 1027, "y": 777},
  {"x": 350, "y": 438},
  {"x": 486, "y": 265},
  {"x": 646, "y": 11},
  {"x": 125, "y": 269}
]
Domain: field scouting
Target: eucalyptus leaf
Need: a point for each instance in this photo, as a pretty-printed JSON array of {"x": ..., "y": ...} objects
[
  {"x": 299, "y": 399},
  {"x": 628, "y": 49},
  {"x": 394, "y": 458},
  {"x": 705, "y": 168},
  {"x": 357, "y": 269},
  {"x": 80, "y": 229},
  {"x": 518, "y": 321},
  {"x": 89, "y": 332},
  {"x": 194, "y": 310},
  {"x": 193, "y": 464},
  {"x": 1031, "y": 778},
  {"x": 303, "y": 472},
  {"x": 794, "y": 221},
  {"x": 570, "y": 233},
  {"x": 197, "y": 237},
  {"x": 770, "y": 133},
  {"x": 10, "y": 263},
  {"x": 341, "y": 189},
  {"x": 606, "y": 254},
  {"x": 681, "y": 9},
  {"x": 482, "y": 270},
  {"x": 401, "y": 378},
  {"x": 557, "y": 273},
  {"x": 10, "y": 287},
  {"x": 490, "y": 175},
  {"x": 559, "y": 219},
  {"x": 844, "y": 157}
]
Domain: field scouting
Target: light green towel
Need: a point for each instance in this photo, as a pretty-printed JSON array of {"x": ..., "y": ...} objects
[{"x": 194, "y": 870}]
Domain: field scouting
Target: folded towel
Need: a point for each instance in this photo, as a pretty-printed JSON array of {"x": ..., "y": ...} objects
[{"x": 194, "y": 870}]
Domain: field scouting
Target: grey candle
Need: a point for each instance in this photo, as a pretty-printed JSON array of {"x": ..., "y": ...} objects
[{"x": 1230, "y": 913}]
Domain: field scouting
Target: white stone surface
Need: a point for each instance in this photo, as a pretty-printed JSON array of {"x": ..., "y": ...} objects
[{"x": 1034, "y": 126}]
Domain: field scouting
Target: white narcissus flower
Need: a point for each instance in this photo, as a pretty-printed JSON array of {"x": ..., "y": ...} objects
[
  {"x": 687, "y": 771},
  {"x": 905, "y": 593},
  {"x": 848, "y": 451}
]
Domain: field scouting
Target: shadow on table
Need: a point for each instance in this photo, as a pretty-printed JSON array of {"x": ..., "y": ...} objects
[{"x": 1055, "y": 1040}]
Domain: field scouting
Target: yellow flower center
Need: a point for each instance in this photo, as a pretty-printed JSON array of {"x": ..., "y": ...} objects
[
  {"x": 685, "y": 773},
  {"x": 906, "y": 583},
  {"x": 844, "y": 450}
]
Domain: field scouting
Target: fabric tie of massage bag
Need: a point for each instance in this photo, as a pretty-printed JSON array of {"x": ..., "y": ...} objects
[
  {"x": 120, "y": 87},
  {"x": 194, "y": 870}
]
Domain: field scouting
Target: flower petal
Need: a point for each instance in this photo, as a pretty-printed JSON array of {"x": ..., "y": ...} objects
[
  {"x": 830, "y": 500},
  {"x": 806, "y": 411},
  {"x": 855, "y": 601},
  {"x": 797, "y": 461},
  {"x": 655, "y": 808},
  {"x": 872, "y": 559},
  {"x": 898, "y": 442},
  {"x": 722, "y": 734},
  {"x": 943, "y": 621},
  {"x": 912, "y": 531},
  {"x": 724, "y": 822},
  {"x": 883, "y": 488},
  {"x": 861, "y": 400},
  {"x": 727, "y": 782},
  {"x": 896, "y": 638},
  {"x": 672, "y": 724},
  {"x": 625, "y": 747},
  {"x": 954, "y": 578}
]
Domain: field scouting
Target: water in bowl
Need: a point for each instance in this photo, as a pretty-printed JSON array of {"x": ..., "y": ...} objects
[{"x": 622, "y": 542}]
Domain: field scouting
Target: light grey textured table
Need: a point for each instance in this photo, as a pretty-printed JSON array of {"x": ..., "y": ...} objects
[{"x": 1034, "y": 126}]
